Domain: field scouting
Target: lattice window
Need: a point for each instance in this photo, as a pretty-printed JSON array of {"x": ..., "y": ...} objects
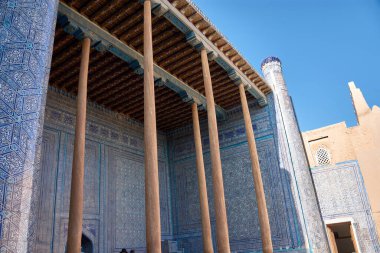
[{"x": 323, "y": 156}]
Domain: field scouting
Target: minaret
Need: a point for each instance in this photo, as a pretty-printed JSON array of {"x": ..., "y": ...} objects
[
  {"x": 360, "y": 104},
  {"x": 293, "y": 157}
]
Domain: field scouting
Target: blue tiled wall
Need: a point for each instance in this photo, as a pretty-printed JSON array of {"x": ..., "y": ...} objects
[
  {"x": 26, "y": 38},
  {"x": 238, "y": 182},
  {"x": 114, "y": 204},
  {"x": 342, "y": 194}
]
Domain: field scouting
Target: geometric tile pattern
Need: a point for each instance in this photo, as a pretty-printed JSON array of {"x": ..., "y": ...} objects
[
  {"x": 294, "y": 158},
  {"x": 242, "y": 213},
  {"x": 114, "y": 147},
  {"x": 26, "y": 30},
  {"x": 341, "y": 193},
  {"x": 114, "y": 203}
]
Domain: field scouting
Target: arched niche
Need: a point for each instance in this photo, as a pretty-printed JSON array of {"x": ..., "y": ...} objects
[{"x": 86, "y": 245}]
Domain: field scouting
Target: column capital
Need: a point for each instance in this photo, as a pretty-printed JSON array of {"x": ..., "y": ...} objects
[
  {"x": 234, "y": 76},
  {"x": 75, "y": 29},
  {"x": 137, "y": 67},
  {"x": 195, "y": 41},
  {"x": 187, "y": 98},
  {"x": 159, "y": 9},
  {"x": 159, "y": 82}
]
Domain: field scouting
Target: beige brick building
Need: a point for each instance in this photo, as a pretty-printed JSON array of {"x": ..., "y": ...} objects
[{"x": 331, "y": 146}]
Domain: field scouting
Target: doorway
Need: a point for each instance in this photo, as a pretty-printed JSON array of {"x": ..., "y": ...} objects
[
  {"x": 86, "y": 245},
  {"x": 342, "y": 237}
]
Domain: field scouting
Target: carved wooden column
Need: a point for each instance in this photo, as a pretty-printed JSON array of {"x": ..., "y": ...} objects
[
  {"x": 259, "y": 188},
  {"x": 74, "y": 234},
  {"x": 217, "y": 177},
  {"x": 202, "y": 187},
  {"x": 152, "y": 198}
]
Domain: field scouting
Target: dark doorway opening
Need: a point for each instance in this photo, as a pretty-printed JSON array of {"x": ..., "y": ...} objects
[
  {"x": 342, "y": 238},
  {"x": 86, "y": 245}
]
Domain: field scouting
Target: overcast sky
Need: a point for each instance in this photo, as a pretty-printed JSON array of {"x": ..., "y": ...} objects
[{"x": 323, "y": 44}]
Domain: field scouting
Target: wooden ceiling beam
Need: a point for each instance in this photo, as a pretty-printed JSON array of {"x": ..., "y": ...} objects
[
  {"x": 221, "y": 58},
  {"x": 115, "y": 72},
  {"x": 160, "y": 25},
  {"x": 127, "y": 108},
  {"x": 135, "y": 108},
  {"x": 172, "y": 124},
  {"x": 125, "y": 13},
  {"x": 74, "y": 21},
  {"x": 165, "y": 45},
  {"x": 61, "y": 72},
  {"x": 122, "y": 90},
  {"x": 73, "y": 73},
  {"x": 126, "y": 101},
  {"x": 64, "y": 53},
  {"x": 116, "y": 89},
  {"x": 185, "y": 69},
  {"x": 168, "y": 109},
  {"x": 102, "y": 14},
  {"x": 168, "y": 118},
  {"x": 197, "y": 70},
  {"x": 94, "y": 71},
  {"x": 182, "y": 64},
  {"x": 171, "y": 55},
  {"x": 118, "y": 83},
  {"x": 163, "y": 37},
  {"x": 92, "y": 7},
  {"x": 127, "y": 23},
  {"x": 160, "y": 93},
  {"x": 196, "y": 81}
]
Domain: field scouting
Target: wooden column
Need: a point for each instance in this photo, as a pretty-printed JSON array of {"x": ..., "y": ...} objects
[
  {"x": 217, "y": 177},
  {"x": 74, "y": 234},
  {"x": 259, "y": 188},
  {"x": 202, "y": 187},
  {"x": 152, "y": 197}
]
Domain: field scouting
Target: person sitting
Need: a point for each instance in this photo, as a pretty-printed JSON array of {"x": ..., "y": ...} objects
[{"x": 124, "y": 251}]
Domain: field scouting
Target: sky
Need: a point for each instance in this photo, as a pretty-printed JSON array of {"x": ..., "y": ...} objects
[{"x": 323, "y": 44}]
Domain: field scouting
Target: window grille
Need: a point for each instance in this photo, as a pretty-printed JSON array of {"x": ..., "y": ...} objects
[{"x": 323, "y": 156}]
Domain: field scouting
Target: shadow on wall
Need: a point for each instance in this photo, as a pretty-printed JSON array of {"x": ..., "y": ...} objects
[{"x": 242, "y": 212}]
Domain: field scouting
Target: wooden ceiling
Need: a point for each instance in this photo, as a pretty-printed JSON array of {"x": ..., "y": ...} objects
[{"x": 114, "y": 85}]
